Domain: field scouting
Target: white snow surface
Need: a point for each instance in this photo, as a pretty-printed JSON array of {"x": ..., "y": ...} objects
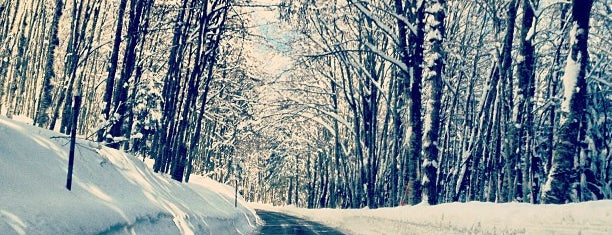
[
  {"x": 112, "y": 192},
  {"x": 570, "y": 77},
  {"x": 464, "y": 218}
]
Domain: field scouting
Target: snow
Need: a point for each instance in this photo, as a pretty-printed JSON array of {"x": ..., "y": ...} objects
[
  {"x": 572, "y": 69},
  {"x": 138, "y": 135},
  {"x": 465, "y": 218},
  {"x": 531, "y": 32},
  {"x": 427, "y": 162},
  {"x": 112, "y": 192},
  {"x": 436, "y": 7}
]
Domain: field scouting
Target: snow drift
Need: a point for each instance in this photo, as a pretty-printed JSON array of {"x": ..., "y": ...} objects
[
  {"x": 592, "y": 217},
  {"x": 112, "y": 192}
]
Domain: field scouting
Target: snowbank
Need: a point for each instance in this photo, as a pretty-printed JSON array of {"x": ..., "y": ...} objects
[
  {"x": 112, "y": 192},
  {"x": 465, "y": 218}
]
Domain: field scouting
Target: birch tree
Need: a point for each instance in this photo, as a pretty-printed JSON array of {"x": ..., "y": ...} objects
[
  {"x": 433, "y": 76},
  {"x": 571, "y": 133}
]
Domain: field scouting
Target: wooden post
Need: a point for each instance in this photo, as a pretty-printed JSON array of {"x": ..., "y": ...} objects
[
  {"x": 236, "y": 193},
  {"x": 75, "y": 115}
]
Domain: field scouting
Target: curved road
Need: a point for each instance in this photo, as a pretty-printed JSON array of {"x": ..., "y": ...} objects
[{"x": 278, "y": 223}]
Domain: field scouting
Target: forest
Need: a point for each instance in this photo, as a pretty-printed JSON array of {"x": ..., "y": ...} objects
[{"x": 377, "y": 103}]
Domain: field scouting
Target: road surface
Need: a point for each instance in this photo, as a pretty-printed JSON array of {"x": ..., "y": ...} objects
[{"x": 278, "y": 223}]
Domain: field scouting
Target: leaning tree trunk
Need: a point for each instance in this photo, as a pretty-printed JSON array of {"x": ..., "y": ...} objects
[
  {"x": 120, "y": 102},
  {"x": 112, "y": 69},
  {"x": 571, "y": 133},
  {"x": 42, "y": 113},
  {"x": 477, "y": 139},
  {"x": 178, "y": 169},
  {"x": 170, "y": 92}
]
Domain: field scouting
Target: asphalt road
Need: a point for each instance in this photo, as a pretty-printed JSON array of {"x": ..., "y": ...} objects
[{"x": 278, "y": 223}]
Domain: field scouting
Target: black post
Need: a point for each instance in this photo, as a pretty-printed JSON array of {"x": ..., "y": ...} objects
[
  {"x": 236, "y": 194},
  {"x": 75, "y": 117}
]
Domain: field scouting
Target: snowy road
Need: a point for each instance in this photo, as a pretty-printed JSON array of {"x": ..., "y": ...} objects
[{"x": 278, "y": 223}]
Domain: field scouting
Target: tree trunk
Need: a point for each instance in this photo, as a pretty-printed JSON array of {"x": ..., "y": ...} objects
[
  {"x": 415, "y": 134},
  {"x": 571, "y": 133},
  {"x": 433, "y": 73},
  {"x": 120, "y": 102},
  {"x": 112, "y": 70},
  {"x": 42, "y": 113},
  {"x": 523, "y": 117},
  {"x": 170, "y": 92},
  {"x": 473, "y": 150},
  {"x": 335, "y": 182},
  {"x": 411, "y": 54}
]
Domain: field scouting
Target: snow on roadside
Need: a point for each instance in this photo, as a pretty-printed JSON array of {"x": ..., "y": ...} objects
[
  {"x": 112, "y": 192},
  {"x": 465, "y": 218}
]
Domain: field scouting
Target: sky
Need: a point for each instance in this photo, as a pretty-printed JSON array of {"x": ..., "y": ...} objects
[{"x": 274, "y": 51}]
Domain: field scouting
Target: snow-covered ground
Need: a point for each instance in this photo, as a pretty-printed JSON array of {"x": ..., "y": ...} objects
[
  {"x": 112, "y": 192},
  {"x": 465, "y": 218}
]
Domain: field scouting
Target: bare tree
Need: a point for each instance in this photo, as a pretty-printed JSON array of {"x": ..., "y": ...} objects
[
  {"x": 112, "y": 70},
  {"x": 571, "y": 133},
  {"x": 45, "y": 101},
  {"x": 433, "y": 76}
]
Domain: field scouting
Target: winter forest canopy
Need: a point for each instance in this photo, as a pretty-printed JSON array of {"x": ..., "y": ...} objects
[{"x": 332, "y": 103}]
